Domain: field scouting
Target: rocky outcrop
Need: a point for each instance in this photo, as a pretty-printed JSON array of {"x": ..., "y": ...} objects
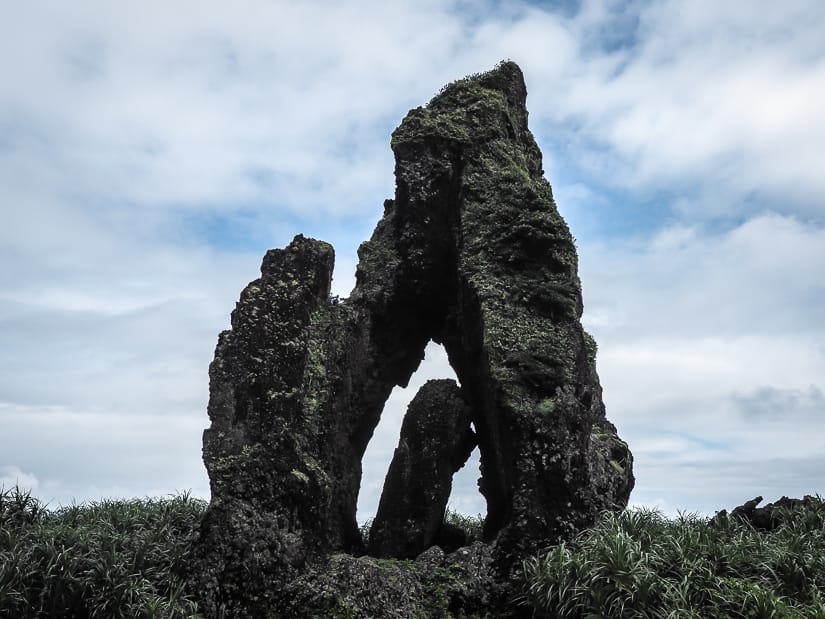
[
  {"x": 471, "y": 253},
  {"x": 436, "y": 440},
  {"x": 767, "y": 517}
]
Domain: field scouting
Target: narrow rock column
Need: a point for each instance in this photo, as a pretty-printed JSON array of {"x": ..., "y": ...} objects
[
  {"x": 435, "y": 442},
  {"x": 467, "y": 163},
  {"x": 262, "y": 452}
]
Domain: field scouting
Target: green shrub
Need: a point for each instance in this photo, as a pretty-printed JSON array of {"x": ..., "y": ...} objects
[
  {"x": 639, "y": 564},
  {"x": 128, "y": 558},
  {"x": 107, "y": 559},
  {"x": 473, "y": 526}
]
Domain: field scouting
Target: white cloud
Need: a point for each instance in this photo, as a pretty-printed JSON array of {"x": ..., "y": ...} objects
[
  {"x": 73, "y": 454},
  {"x": 758, "y": 277},
  {"x": 136, "y": 140},
  {"x": 185, "y": 105},
  {"x": 711, "y": 356},
  {"x": 723, "y": 95},
  {"x": 12, "y": 477},
  {"x": 201, "y": 104}
]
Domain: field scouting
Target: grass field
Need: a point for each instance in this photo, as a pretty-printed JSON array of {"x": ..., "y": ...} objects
[
  {"x": 108, "y": 559},
  {"x": 127, "y": 558},
  {"x": 637, "y": 564}
]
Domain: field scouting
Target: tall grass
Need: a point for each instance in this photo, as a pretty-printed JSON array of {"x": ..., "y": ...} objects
[
  {"x": 113, "y": 558},
  {"x": 128, "y": 558},
  {"x": 639, "y": 564}
]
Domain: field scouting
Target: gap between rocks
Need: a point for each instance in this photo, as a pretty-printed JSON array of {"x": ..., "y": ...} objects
[{"x": 465, "y": 497}]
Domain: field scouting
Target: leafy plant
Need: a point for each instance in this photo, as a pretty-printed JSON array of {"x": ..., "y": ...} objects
[
  {"x": 639, "y": 564},
  {"x": 473, "y": 526},
  {"x": 128, "y": 558},
  {"x": 123, "y": 558}
]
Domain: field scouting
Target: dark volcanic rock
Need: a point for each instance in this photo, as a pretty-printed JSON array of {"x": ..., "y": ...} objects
[
  {"x": 472, "y": 254},
  {"x": 435, "y": 442},
  {"x": 768, "y": 517}
]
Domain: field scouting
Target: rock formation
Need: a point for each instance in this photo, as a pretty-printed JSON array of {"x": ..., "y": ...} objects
[
  {"x": 767, "y": 517},
  {"x": 472, "y": 254}
]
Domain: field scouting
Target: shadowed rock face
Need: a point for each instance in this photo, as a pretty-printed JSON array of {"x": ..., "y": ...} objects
[{"x": 471, "y": 253}]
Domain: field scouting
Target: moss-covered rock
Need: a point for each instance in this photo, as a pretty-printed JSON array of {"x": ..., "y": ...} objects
[{"x": 471, "y": 253}]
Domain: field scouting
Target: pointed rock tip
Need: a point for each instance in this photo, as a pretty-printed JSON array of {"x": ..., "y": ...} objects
[
  {"x": 501, "y": 86},
  {"x": 506, "y": 77}
]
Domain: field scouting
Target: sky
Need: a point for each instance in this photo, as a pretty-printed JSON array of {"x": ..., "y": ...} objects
[{"x": 151, "y": 152}]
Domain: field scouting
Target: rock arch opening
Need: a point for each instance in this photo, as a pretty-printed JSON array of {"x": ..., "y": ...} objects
[
  {"x": 465, "y": 498},
  {"x": 423, "y": 440}
]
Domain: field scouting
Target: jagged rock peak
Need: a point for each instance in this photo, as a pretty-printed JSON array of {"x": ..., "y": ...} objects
[
  {"x": 505, "y": 80},
  {"x": 470, "y": 253}
]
